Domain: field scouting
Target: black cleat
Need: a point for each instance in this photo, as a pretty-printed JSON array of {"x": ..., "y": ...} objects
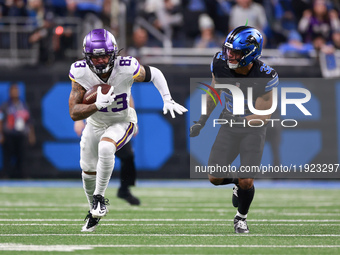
[
  {"x": 128, "y": 197},
  {"x": 91, "y": 223},
  {"x": 99, "y": 204},
  {"x": 235, "y": 196},
  {"x": 240, "y": 225}
]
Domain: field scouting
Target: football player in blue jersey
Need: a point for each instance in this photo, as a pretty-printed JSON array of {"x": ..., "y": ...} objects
[{"x": 239, "y": 63}]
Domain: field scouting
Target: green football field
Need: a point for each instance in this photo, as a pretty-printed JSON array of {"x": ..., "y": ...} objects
[{"x": 47, "y": 220}]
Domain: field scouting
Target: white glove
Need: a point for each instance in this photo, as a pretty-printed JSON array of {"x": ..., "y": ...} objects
[
  {"x": 104, "y": 100},
  {"x": 171, "y": 106}
]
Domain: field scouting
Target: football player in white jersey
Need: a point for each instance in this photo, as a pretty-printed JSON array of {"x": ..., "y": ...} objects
[{"x": 111, "y": 122}]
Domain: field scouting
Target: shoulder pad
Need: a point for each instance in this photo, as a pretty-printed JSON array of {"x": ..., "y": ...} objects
[
  {"x": 218, "y": 57},
  {"x": 77, "y": 70},
  {"x": 128, "y": 65}
]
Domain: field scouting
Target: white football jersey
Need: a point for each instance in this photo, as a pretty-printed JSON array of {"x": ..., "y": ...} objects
[{"x": 123, "y": 73}]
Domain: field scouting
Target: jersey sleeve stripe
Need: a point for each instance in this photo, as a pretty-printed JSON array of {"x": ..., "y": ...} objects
[
  {"x": 136, "y": 73},
  {"x": 71, "y": 77},
  {"x": 274, "y": 80},
  {"x": 268, "y": 88},
  {"x": 273, "y": 83}
]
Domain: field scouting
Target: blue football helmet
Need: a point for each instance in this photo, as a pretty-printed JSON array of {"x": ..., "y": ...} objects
[
  {"x": 100, "y": 42},
  {"x": 248, "y": 41}
]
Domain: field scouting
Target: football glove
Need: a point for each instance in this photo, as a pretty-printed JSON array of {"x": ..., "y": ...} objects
[
  {"x": 104, "y": 100},
  {"x": 171, "y": 106},
  {"x": 196, "y": 128}
]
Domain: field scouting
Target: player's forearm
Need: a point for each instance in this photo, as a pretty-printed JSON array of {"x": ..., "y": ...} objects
[
  {"x": 82, "y": 111},
  {"x": 160, "y": 83}
]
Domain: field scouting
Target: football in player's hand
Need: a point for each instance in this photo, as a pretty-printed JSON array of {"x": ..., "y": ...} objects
[{"x": 91, "y": 95}]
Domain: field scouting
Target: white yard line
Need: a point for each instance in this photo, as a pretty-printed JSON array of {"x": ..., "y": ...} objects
[
  {"x": 23, "y": 247},
  {"x": 181, "y": 235},
  {"x": 174, "y": 220},
  {"x": 169, "y": 209},
  {"x": 162, "y": 224}
]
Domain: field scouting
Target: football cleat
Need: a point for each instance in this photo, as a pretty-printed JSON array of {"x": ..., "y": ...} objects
[
  {"x": 91, "y": 223},
  {"x": 128, "y": 197},
  {"x": 240, "y": 225},
  {"x": 235, "y": 196},
  {"x": 99, "y": 206}
]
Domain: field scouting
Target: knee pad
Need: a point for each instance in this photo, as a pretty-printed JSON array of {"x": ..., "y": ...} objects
[{"x": 106, "y": 149}]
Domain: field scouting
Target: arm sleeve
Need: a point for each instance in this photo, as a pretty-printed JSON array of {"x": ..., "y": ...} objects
[{"x": 160, "y": 83}]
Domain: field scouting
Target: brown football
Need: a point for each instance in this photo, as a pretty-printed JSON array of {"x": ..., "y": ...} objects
[{"x": 91, "y": 95}]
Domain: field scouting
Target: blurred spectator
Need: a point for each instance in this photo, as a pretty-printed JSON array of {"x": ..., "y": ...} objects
[
  {"x": 294, "y": 47},
  {"x": 15, "y": 128},
  {"x": 140, "y": 39},
  {"x": 63, "y": 37},
  {"x": 14, "y": 8},
  {"x": 299, "y": 7},
  {"x": 17, "y": 9},
  {"x": 166, "y": 16},
  {"x": 85, "y": 7},
  {"x": 89, "y": 11},
  {"x": 281, "y": 20},
  {"x": 44, "y": 31},
  {"x": 319, "y": 26},
  {"x": 192, "y": 9},
  {"x": 58, "y": 7},
  {"x": 219, "y": 11},
  {"x": 248, "y": 10},
  {"x": 208, "y": 37}
]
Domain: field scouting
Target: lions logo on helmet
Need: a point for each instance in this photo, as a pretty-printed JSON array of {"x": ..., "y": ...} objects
[
  {"x": 251, "y": 40},
  {"x": 246, "y": 39},
  {"x": 100, "y": 42}
]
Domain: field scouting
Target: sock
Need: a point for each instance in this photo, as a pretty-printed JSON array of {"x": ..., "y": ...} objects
[
  {"x": 89, "y": 185},
  {"x": 243, "y": 216},
  {"x": 106, "y": 160},
  {"x": 229, "y": 180},
  {"x": 245, "y": 197}
]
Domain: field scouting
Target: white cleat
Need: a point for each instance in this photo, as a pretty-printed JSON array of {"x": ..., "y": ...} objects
[
  {"x": 99, "y": 208},
  {"x": 91, "y": 223}
]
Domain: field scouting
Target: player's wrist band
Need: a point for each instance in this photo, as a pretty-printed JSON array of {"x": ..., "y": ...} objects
[{"x": 203, "y": 119}]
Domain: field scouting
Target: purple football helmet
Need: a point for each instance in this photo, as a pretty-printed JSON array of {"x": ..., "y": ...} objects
[{"x": 100, "y": 42}]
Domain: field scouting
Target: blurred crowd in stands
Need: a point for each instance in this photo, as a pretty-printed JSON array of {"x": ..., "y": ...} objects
[{"x": 293, "y": 26}]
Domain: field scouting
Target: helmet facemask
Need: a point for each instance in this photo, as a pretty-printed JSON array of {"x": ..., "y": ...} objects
[
  {"x": 226, "y": 51},
  {"x": 100, "y": 68}
]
